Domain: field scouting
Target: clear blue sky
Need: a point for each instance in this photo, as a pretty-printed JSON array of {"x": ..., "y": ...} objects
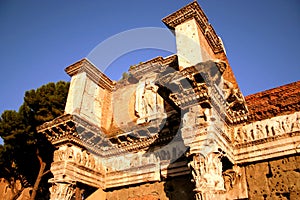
[{"x": 38, "y": 39}]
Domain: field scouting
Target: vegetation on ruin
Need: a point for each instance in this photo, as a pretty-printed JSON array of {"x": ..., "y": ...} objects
[{"x": 25, "y": 155}]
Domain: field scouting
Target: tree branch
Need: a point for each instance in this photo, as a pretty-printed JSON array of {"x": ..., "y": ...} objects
[{"x": 46, "y": 172}]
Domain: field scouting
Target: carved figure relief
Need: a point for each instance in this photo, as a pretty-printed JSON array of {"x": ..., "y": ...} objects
[
  {"x": 268, "y": 128},
  {"x": 148, "y": 103},
  {"x": 84, "y": 158},
  {"x": 91, "y": 161},
  {"x": 61, "y": 155},
  {"x": 78, "y": 157},
  {"x": 295, "y": 122},
  {"x": 70, "y": 153}
]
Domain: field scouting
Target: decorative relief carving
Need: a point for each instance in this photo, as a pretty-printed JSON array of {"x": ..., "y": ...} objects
[
  {"x": 59, "y": 191},
  {"x": 148, "y": 103},
  {"x": 207, "y": 173},
  {"x": 81, "y": 157},
  {"x": 267, "y": 128},
  {"x": 235, "y": 183},
  {"x": 232, "y": 177},
  {"x": 128, "y": 161},
  {"x": 69, "y": 153}
]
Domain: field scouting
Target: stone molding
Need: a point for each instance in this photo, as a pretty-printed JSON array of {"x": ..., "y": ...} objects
[
  {"x": 266, "y": 139},
  {"x": 74, "y": 129},
  {"x": 152, "y": 65},
  {"x": 266, "y": 129},
  {"x": 190, "y": 11},
  {"x": 92, "y": 72}
]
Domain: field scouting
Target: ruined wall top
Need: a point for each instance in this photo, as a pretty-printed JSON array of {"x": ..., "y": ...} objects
[
  {"x": 281, "y": 100},
  {"x": 190, "y": 11},
  {"x": 210, "y": 42},
  {"x": 92, "y": 72}
]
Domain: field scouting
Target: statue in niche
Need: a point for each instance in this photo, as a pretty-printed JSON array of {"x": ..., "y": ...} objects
[
  {"x": 288, "y": 123},
  {"x": 61, "y": 155},
  {"x": 268, "y": 131},
  {"x": 244, "y": 134},
  {"x": 284, "y": 125},
  {"x": 148, "y": 103}
]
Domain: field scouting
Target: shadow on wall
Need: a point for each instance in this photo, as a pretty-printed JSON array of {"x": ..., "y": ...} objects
[{"x": 169, "y": 145}]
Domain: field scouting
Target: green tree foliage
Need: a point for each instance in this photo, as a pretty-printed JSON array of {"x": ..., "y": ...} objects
[{"x": 23, "y": 149}]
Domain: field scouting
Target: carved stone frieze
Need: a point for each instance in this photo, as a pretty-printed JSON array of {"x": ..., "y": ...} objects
[
  {"x": 267, "y": 128},
  {"x": 79, "y": 156}
]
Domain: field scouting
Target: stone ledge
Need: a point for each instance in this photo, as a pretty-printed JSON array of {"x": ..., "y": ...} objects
[{"x": 287, "y": 144}]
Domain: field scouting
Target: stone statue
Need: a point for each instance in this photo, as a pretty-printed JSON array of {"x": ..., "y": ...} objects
[{"x": 148, "y": 103}]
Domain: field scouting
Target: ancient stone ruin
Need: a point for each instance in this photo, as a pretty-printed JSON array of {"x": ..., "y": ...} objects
[{"x": 176, "y": 128}]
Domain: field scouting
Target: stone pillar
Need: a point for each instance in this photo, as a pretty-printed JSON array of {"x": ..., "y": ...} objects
[
  {"x": 207, "y": 175},
  {"x": 189, "y": 50},
  {"x": 196, "y": 39},
  {"x": 62, "y": 191},
  {"x": 88, "y": 89}
]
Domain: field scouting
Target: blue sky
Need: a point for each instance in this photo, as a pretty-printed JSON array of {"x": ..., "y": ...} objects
[{"x": 38, "y": 39}]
